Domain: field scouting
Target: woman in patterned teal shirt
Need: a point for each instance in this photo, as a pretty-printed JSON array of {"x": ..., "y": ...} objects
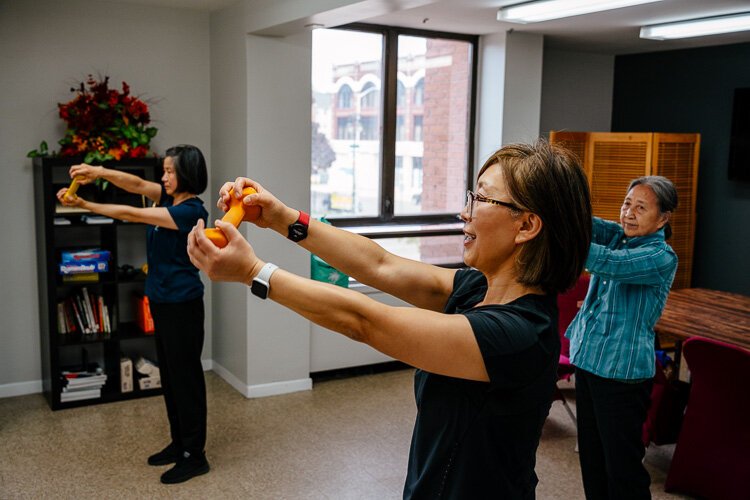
[{"x": 612, "y": 338}]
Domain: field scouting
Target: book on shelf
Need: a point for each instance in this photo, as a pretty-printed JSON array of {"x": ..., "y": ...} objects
[
  {"x": 61, "y": 221},
  {"x": 81, "y": 278},
  {"x": 74, "y": 373},
  {"x": 78, "y": 384},
  {"x": 62, "y": 209},
  {"x": 66, "y": 397},
  {"x": 96, "y": 219},
  {"x": 84, "y": 311},
  {"x": 82, "y": 384}
]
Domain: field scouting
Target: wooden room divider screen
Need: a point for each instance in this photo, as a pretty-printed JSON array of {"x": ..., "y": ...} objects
[{"x": 612, "y": 159}]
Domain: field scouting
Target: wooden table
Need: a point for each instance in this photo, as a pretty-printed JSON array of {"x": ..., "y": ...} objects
[{"x": 711, "y": 314}]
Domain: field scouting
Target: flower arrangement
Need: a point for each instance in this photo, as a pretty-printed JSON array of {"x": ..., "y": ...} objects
[{"x": 103, "y": 124}]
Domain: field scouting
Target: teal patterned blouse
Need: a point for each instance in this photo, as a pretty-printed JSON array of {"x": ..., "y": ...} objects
[{"x": 612, "y": 335}]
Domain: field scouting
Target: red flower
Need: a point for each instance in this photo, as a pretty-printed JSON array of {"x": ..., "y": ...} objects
[{"x": 105, "y": 124}]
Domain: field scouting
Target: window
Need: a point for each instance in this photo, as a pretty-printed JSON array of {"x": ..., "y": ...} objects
[
  {"x": 417, "y": 132},
  {"x": 419, "y": 93},
  {"x": 402, "y": 134},
  {"x": 345, "y": 97},
  {"x": 369, "y": 96},
  {"x": 400, "y": 94},
  {"x": 345, "y": 128},
  {"x": 400, "y": 128}
]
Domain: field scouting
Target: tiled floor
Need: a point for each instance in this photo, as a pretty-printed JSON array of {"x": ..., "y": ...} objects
[{"x": 345, "y": 439}]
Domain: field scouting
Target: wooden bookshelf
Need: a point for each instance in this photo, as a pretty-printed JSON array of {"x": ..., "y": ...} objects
[{"x": 127, "y": 244}]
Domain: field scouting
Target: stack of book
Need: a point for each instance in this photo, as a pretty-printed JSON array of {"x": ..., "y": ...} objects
[
  {"x": 78, "y": 385},
  {"x": 84, "y": 312}
]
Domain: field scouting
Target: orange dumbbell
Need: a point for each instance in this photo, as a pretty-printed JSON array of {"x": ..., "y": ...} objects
[
  {"x": 71, "y": 192},
  {"x": 237, "y": 213}
]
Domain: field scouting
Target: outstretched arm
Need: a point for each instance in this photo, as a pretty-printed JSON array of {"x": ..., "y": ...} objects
[
  {"x": 436, "y": 342},
  {"x": 156, "y": 216},
  {"x": 419, "y": 284},
  {"x": 129, "y": 182}
]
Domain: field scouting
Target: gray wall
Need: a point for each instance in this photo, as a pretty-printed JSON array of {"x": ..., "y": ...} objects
[
  {"x": 692, "y": 91},
  {"x": 47, "y": 46},
  {"x": 576, "y": 92}
]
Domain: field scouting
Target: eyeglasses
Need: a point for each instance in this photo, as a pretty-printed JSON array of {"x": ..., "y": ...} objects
[{"x": 472, "y": 197}]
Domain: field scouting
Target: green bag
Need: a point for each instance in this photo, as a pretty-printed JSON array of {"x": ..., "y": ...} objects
[{"x": 320, "y": 270}]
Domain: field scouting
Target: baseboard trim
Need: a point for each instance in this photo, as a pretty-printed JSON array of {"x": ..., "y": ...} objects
[
  {"x": 262, "y": 390},
  {"x": 20, "y": 389}
]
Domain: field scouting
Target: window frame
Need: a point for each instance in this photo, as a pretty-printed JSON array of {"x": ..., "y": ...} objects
[{"x": 386, "y": 224}]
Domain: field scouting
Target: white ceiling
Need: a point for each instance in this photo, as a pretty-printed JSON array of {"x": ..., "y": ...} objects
[{"x": 610, "y": 32}]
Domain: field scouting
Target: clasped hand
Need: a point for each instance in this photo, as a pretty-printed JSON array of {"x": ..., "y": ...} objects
[
  {"x": 237, "y": 261},
  {"x": 83, "y": 174}
]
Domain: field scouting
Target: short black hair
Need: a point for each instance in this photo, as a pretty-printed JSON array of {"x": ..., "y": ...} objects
[{"x": 190, "y": 167}]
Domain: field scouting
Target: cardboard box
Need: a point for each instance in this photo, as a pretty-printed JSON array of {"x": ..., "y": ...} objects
[
  {"x": 126, "y": 375},
  {"x": 149, "y": 383}
]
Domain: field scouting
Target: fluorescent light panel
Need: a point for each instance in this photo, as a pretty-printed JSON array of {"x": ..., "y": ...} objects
[
  {"x": 543, "y": 10},
  {"x": 697, "y": 27}
]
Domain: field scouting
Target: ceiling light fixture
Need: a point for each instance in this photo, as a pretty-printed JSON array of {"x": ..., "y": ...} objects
[
  {"x": 543, "y": 10},
  {"x": 698, "y": 27}
]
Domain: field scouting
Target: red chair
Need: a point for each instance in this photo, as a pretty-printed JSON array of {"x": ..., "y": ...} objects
[
  {"x": 665, "y": 414},
  {"x": 712, "y": 455},
  {"x": 568, "y": 304}
]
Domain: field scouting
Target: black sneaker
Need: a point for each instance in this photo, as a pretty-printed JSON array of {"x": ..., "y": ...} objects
[
  {"x": 168, "y": 455},
  {"x": 188, "y": 466}
]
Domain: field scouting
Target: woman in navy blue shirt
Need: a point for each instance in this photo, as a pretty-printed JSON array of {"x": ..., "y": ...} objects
[
  {"x": 484, "y": 339},
  {"x": 175, "y": 293}
]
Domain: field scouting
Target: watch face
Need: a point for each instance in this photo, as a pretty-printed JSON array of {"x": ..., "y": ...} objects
[
  {"x": 259, "y": 289},
  {"x": 297, "y": 231}
]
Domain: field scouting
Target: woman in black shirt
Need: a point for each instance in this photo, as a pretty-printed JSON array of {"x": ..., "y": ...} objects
[{"x": 484, "y": 339}]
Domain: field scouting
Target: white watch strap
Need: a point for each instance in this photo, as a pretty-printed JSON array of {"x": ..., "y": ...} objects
[{"x": 265, "y": 273}]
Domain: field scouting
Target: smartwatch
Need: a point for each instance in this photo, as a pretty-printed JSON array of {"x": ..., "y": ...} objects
[
  {"x": 298, "y": 229},
  {"x": 260, "y": 285}
]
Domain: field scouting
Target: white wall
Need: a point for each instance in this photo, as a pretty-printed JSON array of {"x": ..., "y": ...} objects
[
  {"x": 229, "y": 146},
  {"x": 278, "y": 149},
  {"x": 491, "y": 91},
  {"x": 47, "y": 46},
  {"x": 576, "y": 92}
]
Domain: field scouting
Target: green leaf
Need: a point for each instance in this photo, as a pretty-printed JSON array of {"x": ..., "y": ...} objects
[
  {"x": 151, "y": 131},
  {"x": 42, "y": 151}
]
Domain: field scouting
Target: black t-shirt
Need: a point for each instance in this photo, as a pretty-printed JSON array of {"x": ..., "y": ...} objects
[
  {"x": 171, "y": 276},
  {"x": 479, "y": 439}
]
